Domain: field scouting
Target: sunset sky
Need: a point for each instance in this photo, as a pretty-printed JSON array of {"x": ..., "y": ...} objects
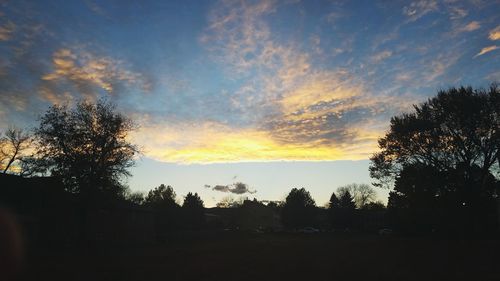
[{"x": 274, "y": 94}]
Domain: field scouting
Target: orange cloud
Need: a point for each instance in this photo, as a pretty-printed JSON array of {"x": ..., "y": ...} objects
[
  {"x": 495, "y": 33},
  {"x": 215, "y": 143},
  {"x": 6, "y": 31},
  {"x": 486, "y": 50},
  {"x": 88, "y": 72}
]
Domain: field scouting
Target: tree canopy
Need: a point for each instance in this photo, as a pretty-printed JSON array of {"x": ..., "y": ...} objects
[
  {"x": 442, "y": 159},
  {"x": 193, "y": 211},
  {"x": 161, "y": 197},
  {"x": 299, "y": 209},
  {"x": 361, "y": 193},
  {"x": 86, "y": 146},
  {"x": 192, "y": 201},
  {"x": 459, "y": 126}
]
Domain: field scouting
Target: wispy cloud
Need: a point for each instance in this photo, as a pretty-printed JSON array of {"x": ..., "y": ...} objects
[
  {"x": 378, "y": 57},
  {"x": 471, "y": 26},
  {"x": 6, "y": 31},
  {"x": 457, "y": 12},
  {"x": 418, "y": 9},
  {"x": 88, "y": 73},
  {"x": 486, "y": 50}
]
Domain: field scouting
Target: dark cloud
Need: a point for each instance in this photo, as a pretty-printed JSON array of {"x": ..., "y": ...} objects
[{"x": 235, "y": 188}]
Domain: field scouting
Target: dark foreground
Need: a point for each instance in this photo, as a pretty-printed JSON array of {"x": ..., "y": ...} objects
[{"x": 236, "y": 256}]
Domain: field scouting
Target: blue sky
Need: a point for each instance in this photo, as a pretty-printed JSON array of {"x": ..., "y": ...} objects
[{"x": 275, "y": 94}]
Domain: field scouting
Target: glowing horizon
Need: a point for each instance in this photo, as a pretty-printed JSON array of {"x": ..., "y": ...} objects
[{"x": 258, "y": 81}]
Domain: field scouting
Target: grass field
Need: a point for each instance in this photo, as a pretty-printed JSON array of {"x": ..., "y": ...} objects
[{"x": 236, "y": 256}]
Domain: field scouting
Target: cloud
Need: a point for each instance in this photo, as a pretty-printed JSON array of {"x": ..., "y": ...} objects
[
  {"x": 381, "y": 56},
  {"x": 6, "y": 31},
  {"x": 94, "y": 7},
  {"x": 438, "y": 65},
  {"x": 49, "y": 95},
  {"x": 210, "y": 142},
  {"x": 471, "y": 26},
  {"x": 457, "y": 13},
  {"x": 235, "y": 188},
  {"x": 298, "y": 110},
  {"x": 237, "y": 33},
  {"x": 418, "y": 9},
  {"x": 486, "y": 50},
  {"x": 495, "y": 33},
  {"x": 88, "y": 74},
  {"x": 461, "y": 28}
]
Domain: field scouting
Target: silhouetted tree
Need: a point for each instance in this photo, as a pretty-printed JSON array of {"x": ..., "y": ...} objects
[
  {"x": 161, "y": 197},
  {"x": 346, "y": 200},
  {"x": 86, "y": 146},
  {"x": 230, "y": 202},
  {"x": 334, "y": 202},
  {"x": 441, "y": 159},
  {"x": 193, "y": 211},
  {"x": 333, "y": 210},
  {"x": 343, "y": 213},
  {"x": 374, "y": 206},
  {"x": 162, "y": 200},
  {"x": 13, "y": 147},
  {"x": 362, "y": 193},
  {"x": 136, "y": 198},
  {"x": 299, "y": 209}
]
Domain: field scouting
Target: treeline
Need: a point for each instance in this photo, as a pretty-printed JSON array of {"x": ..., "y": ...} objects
[
  {"x": 346, "y": 210},
  {"x": 441, "y": 163}
]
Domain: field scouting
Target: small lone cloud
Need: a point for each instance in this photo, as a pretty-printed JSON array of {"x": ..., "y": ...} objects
[
  {"x": 486, "y": 50},
  {"x": 418, "y": 9},
  {"x": 381, "y": 56},
  {"x": 235, "y": 188},
  {"x": 471, "y": 26},
  {"x": 495, "y": 34}
]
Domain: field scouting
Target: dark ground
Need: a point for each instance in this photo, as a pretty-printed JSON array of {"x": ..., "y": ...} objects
[{"x": 236, "y": 256}]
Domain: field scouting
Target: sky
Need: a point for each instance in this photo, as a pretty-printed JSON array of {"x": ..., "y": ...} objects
[{"x": 273, "y": 94}]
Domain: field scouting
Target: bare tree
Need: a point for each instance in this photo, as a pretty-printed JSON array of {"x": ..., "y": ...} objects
[
  {"x": 13, "y": 148},
  {"x": 362, "y": 193}
]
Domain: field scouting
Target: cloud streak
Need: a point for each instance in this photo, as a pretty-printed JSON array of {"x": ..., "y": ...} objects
[{"x": 486, "y": 50}]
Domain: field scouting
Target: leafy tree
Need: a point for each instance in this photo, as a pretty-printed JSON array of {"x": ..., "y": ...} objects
[
  {"x": 460, "y": 126},
  {"x": 161, "y": 197},
  {"x": 441, "y": 159},
  {"x": 193, "y": 201},
  {"x": 136, "y": 198},
  {"x": 86, "y": 146},
  {"x": 13, "y": 149},
  {"x": 193, "y": 211},
  {"x": 299, "y": 209},
  {"x": 162, "y": 200}
]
